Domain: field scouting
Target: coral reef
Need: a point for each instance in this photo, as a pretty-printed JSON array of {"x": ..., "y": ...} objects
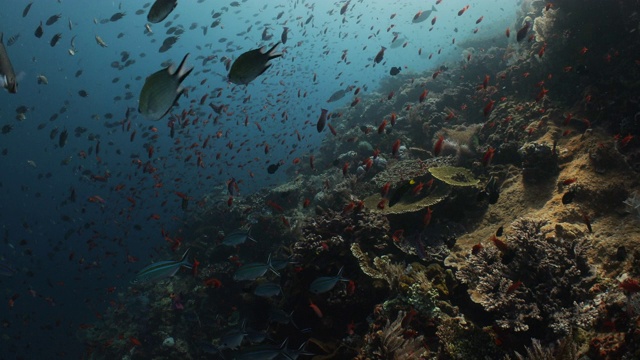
[
  {"x": 391, "y": 343},
  {"x": 531, "y": 279},
  {"x": 539, "y": 162}
]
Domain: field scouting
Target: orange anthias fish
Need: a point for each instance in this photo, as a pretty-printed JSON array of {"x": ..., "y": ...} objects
[
  {"x": 438, "y": 146},
  {"x": 488, "y": 156},
  {"x": 395, "y": 147},
  {"x": 423, "y": 96},
  {"x": 488, "y": 108}
]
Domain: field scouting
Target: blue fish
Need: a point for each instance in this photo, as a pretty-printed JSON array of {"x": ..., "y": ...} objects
[{"x": 162, "y": 269}]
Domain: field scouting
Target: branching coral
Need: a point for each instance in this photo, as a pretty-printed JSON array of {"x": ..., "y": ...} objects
[{"x": 531, "y": 278}]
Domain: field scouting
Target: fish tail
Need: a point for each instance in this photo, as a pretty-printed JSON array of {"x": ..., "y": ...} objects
[
  {"x": 184, "y": 261},
  {"x": 182, "y": 74},
  {"x": 270, "y": 52}
]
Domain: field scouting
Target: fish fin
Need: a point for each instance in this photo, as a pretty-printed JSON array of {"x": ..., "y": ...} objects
[
  {"x": 270, "y": 52},
  {"x": 433, "y": 8},
  {"x": 263, "y": 70},
  {"x": 181, "y": 72}
]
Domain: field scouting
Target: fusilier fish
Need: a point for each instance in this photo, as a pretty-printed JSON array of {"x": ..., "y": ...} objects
[
  {"x": 252, "y": 271},
  {"x": 237, "y": 237},
  {"x": 161, "y": 90},
  {"x": 7, "y": 75},
  {"x": 326, "y": 283},
  {"x": 267, "y": 290},
  {"x": 251, "y": 64},
  {"x": 160, "y": 10},
  {"x": 162, "y": 269}
]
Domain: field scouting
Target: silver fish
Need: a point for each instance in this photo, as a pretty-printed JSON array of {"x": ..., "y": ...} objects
[
  {"x": 251, "y": 64},
  {"x": 267, "y": 290},
  {"x": 160, "y": 10},
  {"x": 232, "y": 340},
  {"x": 237, "y": 237},
  {"x": 162, "y": 269},
  {"x": 7, "y": 75},
  {"x": 161, "y": 90},
  {"x": 423, "y": 15},
  {"x": 252, "y": 271},
  {"x": 326, "y": 283}
]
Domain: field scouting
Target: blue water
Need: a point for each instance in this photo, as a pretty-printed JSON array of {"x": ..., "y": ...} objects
[{"x": 67, "y": 254}]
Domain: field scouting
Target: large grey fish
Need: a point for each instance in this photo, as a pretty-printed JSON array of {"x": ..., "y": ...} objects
[
  {"x": 326, "y": 283},
  {"x": 161, "y": 90},
  {"x": 251, "y": 64},
  {"x": 160, "y": 10},
  {"x": 7, "y": 75},
  {"x": 162, "y": 269},
  {"x": 423, "y": 15}
]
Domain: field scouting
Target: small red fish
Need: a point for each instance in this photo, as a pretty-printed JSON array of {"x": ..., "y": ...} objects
[
  {"x": 397, "y": 235},
  {"x": 438, "y": 146},
  {"x": 423, "y": 96},
  {"x": 463, "y": 10},
  {"x": 355, "y": 102},
  {"x": 384, "y": 191},
  {"x": 508, "y": 32},
  {"x": 395, "y": 147},
  {"x": 332, "y": 129},
  {"x": 488, "y": 156},
  {"x": 542, "y": 49},
  {"x": 476, "y": 248},
  {"x": 345, "y": 169},
  {"x": 390, "y": 96},
  {"x": 393, "y": 119},
  {"x": 382, "y": 126},
  {"x": 513, "y": 287},
  {"x": 479, "y": 19},
  {"x": 381, "y": 204},
  {"x": 315, "y": 309},
  {"x": 311, "y": 159},
  {"x": 427, "y": 217},
  {"x": 306, "y": 203},
  {"x": 569, "y": 181},
  {"x": 213, "y": 282},
  {"x": 485, "y": 82},
  {"x": 501, "y": 245},
  {"x": 488, "y": 108},
  {"x": 433, "y": 21}
]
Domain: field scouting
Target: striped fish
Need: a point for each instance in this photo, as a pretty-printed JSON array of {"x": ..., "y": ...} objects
[{"x": 162, "y": 269}]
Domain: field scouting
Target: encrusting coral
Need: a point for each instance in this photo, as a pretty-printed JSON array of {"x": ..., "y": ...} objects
[{"x": 531, "y": 279}]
